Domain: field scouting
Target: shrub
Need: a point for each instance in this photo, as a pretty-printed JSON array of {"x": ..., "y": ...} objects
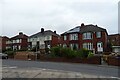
[
  {"x": 56, "y": 51},
  {"x": 71, "y": 54},
  {"x": 10, "y": 53},
  {"x": 82, "y": 53},
  {"x": 24, "y": 49},
  {"x": 68, "y": 53},
  {"x": 62, "y": 52},
  {"x": 90, "y": 55}
]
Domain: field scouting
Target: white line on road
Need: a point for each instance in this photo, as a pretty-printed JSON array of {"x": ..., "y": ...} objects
[{"x": 10, "y": 67}]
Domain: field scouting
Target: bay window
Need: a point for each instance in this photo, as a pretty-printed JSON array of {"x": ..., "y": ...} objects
[{"x": 88, "y": 46}]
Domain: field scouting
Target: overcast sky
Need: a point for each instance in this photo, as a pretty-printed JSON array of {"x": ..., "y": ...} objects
[{"x": 29, "y": 16}]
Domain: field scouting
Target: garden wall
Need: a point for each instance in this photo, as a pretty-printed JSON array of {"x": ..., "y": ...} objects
[
  {"x": 92, "y": 60},
  {"x": 115, "y": 61},
  {"x": 24, "y": 55}
]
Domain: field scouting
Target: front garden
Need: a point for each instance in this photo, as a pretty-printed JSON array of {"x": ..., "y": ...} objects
[{"x": 60, "y": 54}]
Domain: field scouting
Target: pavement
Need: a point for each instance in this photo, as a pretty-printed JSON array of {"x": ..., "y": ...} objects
[{"x": 14, "y": 72}]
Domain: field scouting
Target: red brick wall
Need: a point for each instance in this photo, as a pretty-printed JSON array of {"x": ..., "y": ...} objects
[
  {"x": 24, "y": 55},
  {"x": 4, "y": 39},
  {"x": 55, "y": 41},
  {"x": 65, "y": 41},
  {"x": 94, "y": 40},
  {"x": 80, "y": 40},
  {"x": 24, "y": 43}
]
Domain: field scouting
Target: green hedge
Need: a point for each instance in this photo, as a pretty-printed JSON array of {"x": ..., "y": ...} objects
[
  {"x": 10, "y": 53},
  {"x": 68, "y": 53}
]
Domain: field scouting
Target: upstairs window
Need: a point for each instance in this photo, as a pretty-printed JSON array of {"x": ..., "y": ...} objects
[
  {"x": 73, "y": 36},
  {"x": 65, "y": 37},
  {"x": 98, "y": 34},
  {"x": 87, "y": 35}
]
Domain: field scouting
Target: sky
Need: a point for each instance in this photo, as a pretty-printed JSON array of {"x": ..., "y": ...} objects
[{"x": 29, "y": 16}]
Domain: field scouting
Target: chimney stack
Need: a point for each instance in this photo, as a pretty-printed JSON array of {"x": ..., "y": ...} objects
[
  {"x": 82, "y": 25},
  {"x": 20, "y": 33},
  {"x": 42, "y": 30},
  {"x": 55, "y": 32}
]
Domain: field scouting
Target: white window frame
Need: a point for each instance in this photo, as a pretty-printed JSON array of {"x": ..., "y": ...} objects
[
  {"x": 64, "y": 37},
  {"x": 88, "y": 46},
  {"x": 98, "y": 34},
  {"x": 19, "y": 47},
  {"x": 73, "y": 36},
  {"x": 87, "y": 35},
  {"x": 72, "y": 45},
  {"x": 64, "y": 45}
]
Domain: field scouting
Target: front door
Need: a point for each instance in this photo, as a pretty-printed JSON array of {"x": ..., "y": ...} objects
[{"x": 100, "y": 47}]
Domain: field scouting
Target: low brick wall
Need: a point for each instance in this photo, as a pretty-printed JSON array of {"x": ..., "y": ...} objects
[
  {"x": 115, "y": 61},
  {"x": 11, "y": 57},
  {"x": 25, "y": 56},
  {"x": 92, "y": 60}
]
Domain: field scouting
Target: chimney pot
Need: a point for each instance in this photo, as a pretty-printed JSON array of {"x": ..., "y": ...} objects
[
  {"x": 55, "y": 32},
  {"x": 42, "y": 30},
  {"x": 82, "y": 24},
  {"x": 20, "y": 33}
]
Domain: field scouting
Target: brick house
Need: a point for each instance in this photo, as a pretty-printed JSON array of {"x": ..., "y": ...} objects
[
  {"x": 43, "y": 39},
  {"x": 3, "y": 44},
  {"x": 18, "y": 42},
  {"x": 114, "y": 40},
  {"x": 90, "y": 37}
]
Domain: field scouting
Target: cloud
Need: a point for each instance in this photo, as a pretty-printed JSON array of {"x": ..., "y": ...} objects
[{"x": 60, "y": 15}]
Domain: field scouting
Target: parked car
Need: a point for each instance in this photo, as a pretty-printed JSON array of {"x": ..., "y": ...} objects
[{"x": 3, "y": 56}]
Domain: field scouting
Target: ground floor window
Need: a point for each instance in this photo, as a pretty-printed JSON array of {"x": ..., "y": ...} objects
[
  {"x": 88, "y": 46},
  {"x": 74, "y": 46},
  {"x": 64, "y": 45}
]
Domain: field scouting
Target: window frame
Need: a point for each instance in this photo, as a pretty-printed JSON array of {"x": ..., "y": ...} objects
[
  {"x": 98, "y": 34},
  {"x": 74, "y": 36},
  {"x": 87, "y": 35},
  {"x": 88, "y": 46},
  {"x": 64, "y": 37}
]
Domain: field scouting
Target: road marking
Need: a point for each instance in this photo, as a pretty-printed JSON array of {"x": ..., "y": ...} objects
[
  {"x": 44, "y": 69},
  {"x": 115, "y": 77},
  {"x": 10, "y": 67}
]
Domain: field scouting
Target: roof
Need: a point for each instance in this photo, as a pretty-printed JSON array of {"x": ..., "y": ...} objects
[
  {"x": 5, "y": 37},
  {"x": 113, "y": 35},
  {"x": 85, "y": 28},
  {"x": 45, "y": 33},
  {"x": 91, "y": 28},
  {"x": 19, "y": 36},
  {"x": 74, "y": 30}
]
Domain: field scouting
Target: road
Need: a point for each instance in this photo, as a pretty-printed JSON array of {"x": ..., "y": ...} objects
[{"x": 99, "y": 70}]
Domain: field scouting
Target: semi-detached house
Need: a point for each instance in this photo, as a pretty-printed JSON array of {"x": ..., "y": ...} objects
[
  {"x": 18, "y": 42},
  {"x": 114, "y": 41},
  {"x": 91, "y": 37},
  {"x": 43, "y": 39},
  {"x": 3, "y": 43}
]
